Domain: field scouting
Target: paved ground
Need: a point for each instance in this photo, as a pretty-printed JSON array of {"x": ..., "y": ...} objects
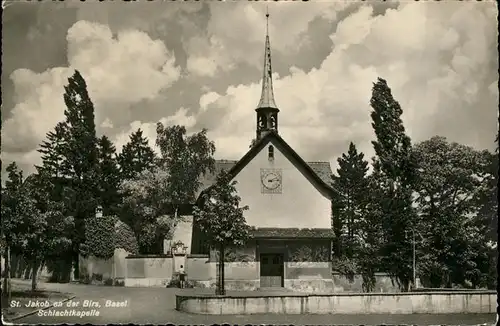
[{"x": 157, "y": 306}]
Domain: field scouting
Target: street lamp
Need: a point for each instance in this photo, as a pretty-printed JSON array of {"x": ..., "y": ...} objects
[
  {"x": 414, "y": 256},
  {"x": 414, "y": 260}
]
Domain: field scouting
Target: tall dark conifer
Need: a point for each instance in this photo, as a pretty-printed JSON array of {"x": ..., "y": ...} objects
[
  {"x": 80, "y": 157},
  {"x": 54, "y": 169},
  {"x": 394, "y": 170},
  {"x": 109, "y": 178},
  {"x": 136, "y": 156},
  {"x": 348, "y": 207}
]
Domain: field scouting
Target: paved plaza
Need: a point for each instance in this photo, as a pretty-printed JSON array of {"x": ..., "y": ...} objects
[{"x": 157, "y": 306}]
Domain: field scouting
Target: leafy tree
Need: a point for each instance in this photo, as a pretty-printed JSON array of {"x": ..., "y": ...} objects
[
  {"x": 24, "y": 227},
  {"x": 394, "y": 171},
  {"x": 349, "y": 204},
  {"x": 57, "y": 239},
  {"x": 145, "y": 198},
  {"x": 136, "y": 156},
  {"x": 221, "y": 218},
  {"x": 186, "y": 158},
  {"x": 11, "y": 207},
  {"x": 451, "y": 179},
  {"x": 109, "y": 179}
]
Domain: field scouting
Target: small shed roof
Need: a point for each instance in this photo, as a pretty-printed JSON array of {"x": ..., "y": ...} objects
[{"x": 295, "y": 233}]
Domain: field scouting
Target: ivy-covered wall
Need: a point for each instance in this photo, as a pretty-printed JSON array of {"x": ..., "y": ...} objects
[
  {"x": 105, "y": 234},
  {"x": 244, "y": 254},
  {"x": 309, "y": 251}
]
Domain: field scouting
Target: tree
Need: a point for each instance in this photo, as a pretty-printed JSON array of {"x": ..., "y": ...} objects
[
  {"x": 371, "y": 234},
  {"x": 80, "y": 157},
  {"x": 52, "y": 151},
  {"x": 11, "y": 205},
  {"x": 109, "y": 179},
  {"x": 23, "y": 226},
  {"x": 452, "y": 178},
  {"x": 57, "y": 240},
  {"x": 221, "y": 218},
  {"x": 349, "y": 204},
  {"x": 136, "y": 156},
  {"x": 394, "y": 171},
  {"x": 186, "y": 158},
  {"x": 146, "y": 198}
]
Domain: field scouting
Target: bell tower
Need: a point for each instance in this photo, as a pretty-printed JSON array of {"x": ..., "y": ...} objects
[{"x": 267, "y": 111}]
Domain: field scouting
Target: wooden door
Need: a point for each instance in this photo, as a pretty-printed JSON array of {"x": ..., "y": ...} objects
[{"x": 271, "y": 270}]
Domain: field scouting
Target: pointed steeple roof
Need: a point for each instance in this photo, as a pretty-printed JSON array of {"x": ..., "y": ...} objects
[{"x": 267, "y": 96}]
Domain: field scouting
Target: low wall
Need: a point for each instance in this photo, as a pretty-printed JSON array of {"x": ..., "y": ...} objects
[
  {"x": 308, "y": 277},
  {"x": 342, "y": 303},
  {"x": 113, "y": 268},
  {"x": 198, "y": 268},
  {"x": 148, "y": 270}
]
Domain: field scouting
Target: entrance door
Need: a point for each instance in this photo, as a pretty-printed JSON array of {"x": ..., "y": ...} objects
[{"x": 271, "y": 270}]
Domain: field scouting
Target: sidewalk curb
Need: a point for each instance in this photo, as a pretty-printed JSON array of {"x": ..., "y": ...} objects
[{"x": 35, "y": 311}]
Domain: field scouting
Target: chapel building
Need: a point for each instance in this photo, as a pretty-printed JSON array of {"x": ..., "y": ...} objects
[{"x": 289, "y": 203}]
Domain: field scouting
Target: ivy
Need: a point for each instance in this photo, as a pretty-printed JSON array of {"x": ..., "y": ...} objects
[
  {"x": 105, "y": 234},
  {"x": 125, "y": 238},
  {"x": 99, "y": 237}
]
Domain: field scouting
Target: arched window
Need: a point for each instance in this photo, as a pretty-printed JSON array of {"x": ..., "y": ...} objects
[{"x": 271, "y": 152}]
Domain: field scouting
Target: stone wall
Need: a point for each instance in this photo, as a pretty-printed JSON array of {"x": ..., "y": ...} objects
[
  {"x": 199, "y": 268},
  {"x": 98, "y": 269},
  {"x": 352, "y": 304},
  {"x": 148, "y": 271},
  {"x": 302, "y": 276}
]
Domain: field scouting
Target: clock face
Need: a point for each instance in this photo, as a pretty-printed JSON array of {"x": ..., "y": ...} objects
[{"x": 271, "y": 180}]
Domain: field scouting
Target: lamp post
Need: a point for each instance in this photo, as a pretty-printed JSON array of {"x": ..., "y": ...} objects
[{"x": 414, "y": 261}]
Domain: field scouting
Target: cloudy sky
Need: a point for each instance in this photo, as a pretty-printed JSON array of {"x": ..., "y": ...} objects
[{"x": 199, "y": 64}]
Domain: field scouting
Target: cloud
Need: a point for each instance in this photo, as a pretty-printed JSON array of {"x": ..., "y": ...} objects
[
  {"x": 107, "y": 123},
  {"x": 119, "y": 72},
  {"x": 235, "y": 32},
  {"x": 439, "y": 60},
  {"x": 181, "y": 117},
  {"x": 202, "y": 66}
]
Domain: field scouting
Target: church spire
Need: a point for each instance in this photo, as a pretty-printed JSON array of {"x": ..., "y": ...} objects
[
  {"x": 267, "y": 111},
  {"x": 267, "y": 96}
]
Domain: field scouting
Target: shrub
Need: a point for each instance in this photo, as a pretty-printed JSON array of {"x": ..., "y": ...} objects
[
  {"x": 108, "y": 282},
  {"x": 345, "y": 267},
  {"x": 119, "y": 283},
  {"x": 176, "y": 283},
  {"x": 97, "y": 277}
]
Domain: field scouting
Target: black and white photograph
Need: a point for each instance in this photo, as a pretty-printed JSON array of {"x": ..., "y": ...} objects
[{"x": 249, "y": 162}]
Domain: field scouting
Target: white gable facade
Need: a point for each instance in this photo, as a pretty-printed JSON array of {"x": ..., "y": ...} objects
[{"x": 299, "y": 205}]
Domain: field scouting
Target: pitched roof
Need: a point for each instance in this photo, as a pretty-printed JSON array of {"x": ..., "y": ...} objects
[
  {"x": 322, "y": 169},
  {"x": 318, "y": 172},
  {"x": 292, "y": 233}
]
